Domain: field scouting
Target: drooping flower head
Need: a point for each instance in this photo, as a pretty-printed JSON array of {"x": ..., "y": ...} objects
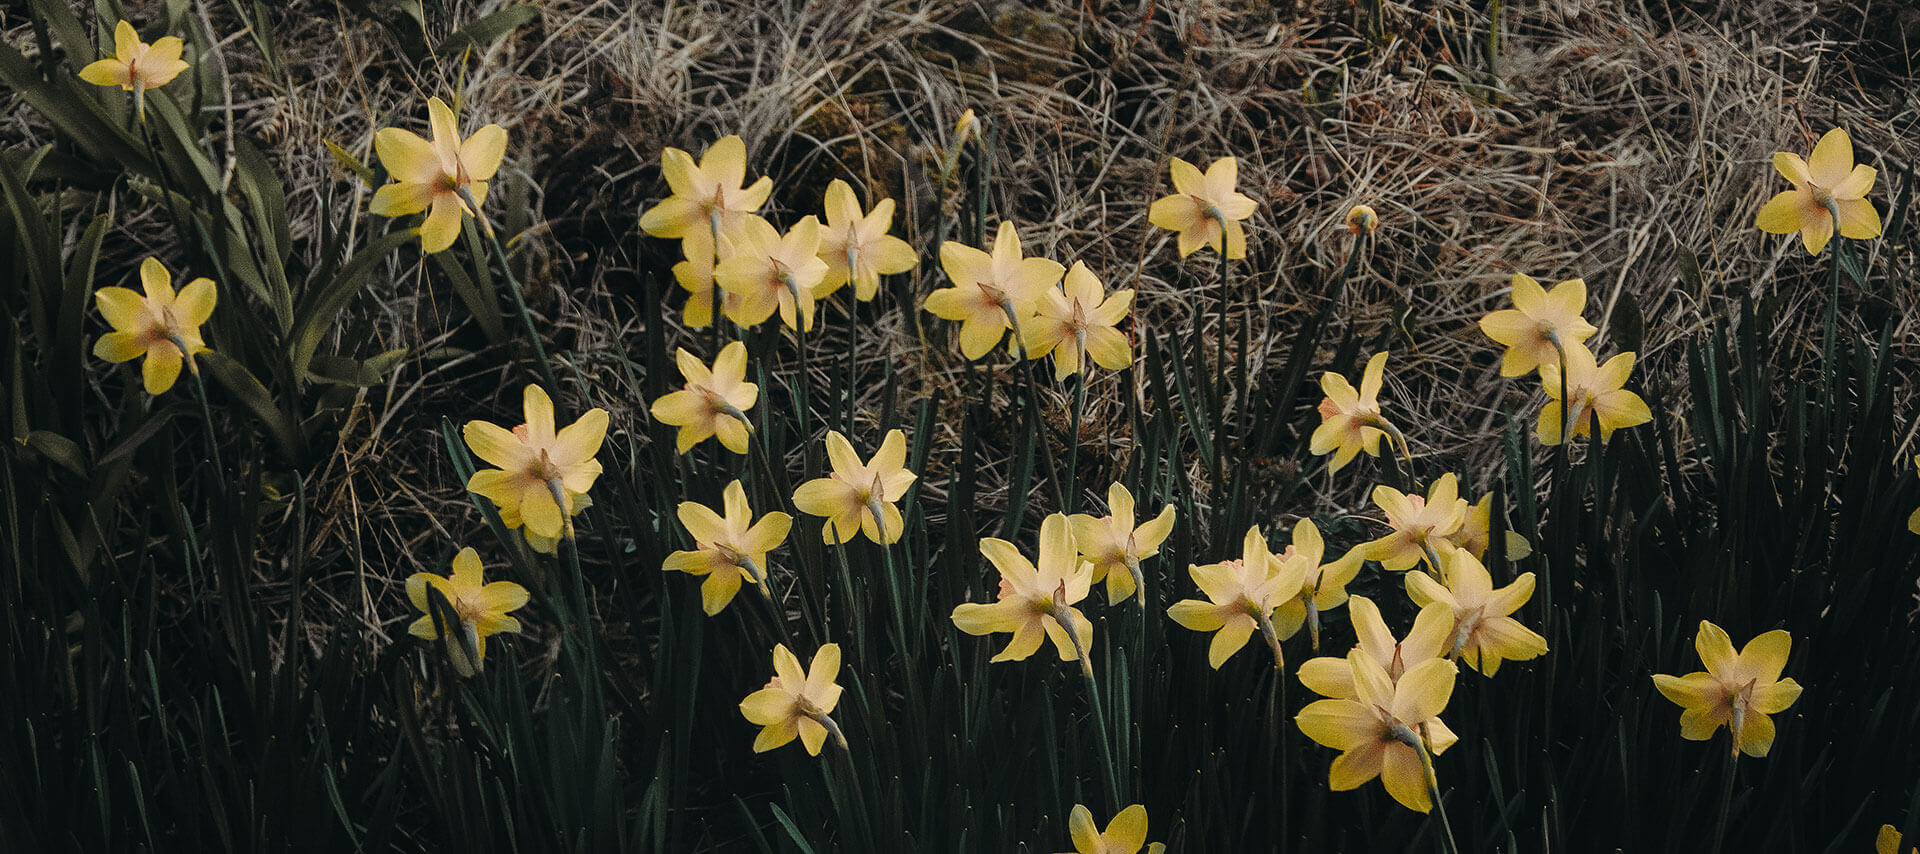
[
  {"x": 1430, "y": 638},
  {"x": 1350, "y": 421},
  {"x": 991, "y": 293},
  {"x": 1828, "y": 189},
  {"x": 728, "y": 549},
  {"x": 769, "y": 270},
  {"x": 1124, "y": 835},
  {"x": 1737, "y": 690},
  {"x": 137, "y": 66},
  {"x": 1323, "y": 587},
  {"x": 1203, "y": 208},
  {"x": 445, "y": 177},
  {"x": 859, "y": 497},
  {"x": 478, "y": 610},
  {"x": 857, "y": 247},
  {"x": 1475, "y": 535},
  {"x": 1361, "y": 219},
  {"x": 707, "y": 199},
  {"x": 1388, "y": 729},
  {"x": 1036, "y": 602},
  {"x": 714, "y": 402},
  {"x": 1598, "y": 393},
  {"x": 1420, "y": 525},
  {"x": 1540, "y": 323},
  {"x": 543, "y": 474},
  {"x": 1483, "y": 632},
  {"x": 159, "y": 324},
  {"x": 1116, "y": 547},
  {"x": 1079, "y": 319},
  {"x": 1242, "y": 596},
  {"x": 796, "y": 702}
]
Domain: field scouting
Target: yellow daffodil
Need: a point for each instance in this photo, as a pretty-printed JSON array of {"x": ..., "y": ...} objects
[
  {"x": 991, "y": 293},
  {"x": 1420, "y": 525},
  {"x": 1079, "y": 319},
  {"x": 796, "y": 702},
  {"x": 1244, "y": 594},
  {"x": 1913, "y": 521},
  {"x": 1350, "y": 421},
  {"x": 729, "y": 548},
  {"x": 160, "y": 325},
  {"x": 1362, "y": 219},
  {"x": 695, "y": 276},
  {"x": 543, "y": 475},
  {"x": 479, "y": 608},
  {"x": 1430, "y": 637},
  {"x": 1387, "y": 729},
  {"x": 859, "y": 497},
  {"x": 1737, "y": 690},
  {"x": 769, "y": 271},
  {"x": 1475, "y": 535},
  {"x": 1124, "y": 835},
  {"x": 1483, "y": 633},
  {"x": 714, "y": 402},
  {"x": 968, "y": 127},
  {"x": 137, "y": 66},
  {"x": 1540, "y": 323},
  {"x": 1205, "y": 207},
  {"x": 1116, "y": 547},
  {"x": 1888, "y": 841},
  {"x": 445, "y": 177},
  {"x": 1036, "y": 602},
  {"x": 1599, "y": 393},
  {"x": 1323, "y": 586},
  {"x": 1827, "y": 189},
  {"x": 857, "y": 247},
  {"x": 707, "y": 200}
]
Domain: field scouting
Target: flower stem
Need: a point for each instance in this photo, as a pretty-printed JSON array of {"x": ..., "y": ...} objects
[
  {"x": 1073, "y": 436},
  {"x": 206, "y": 414},
  {"x": 526, "y": 318},
  {"x": 1726, "y": 797}
]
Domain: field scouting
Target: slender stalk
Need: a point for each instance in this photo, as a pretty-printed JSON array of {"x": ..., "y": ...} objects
[
  {"x": 1063, "y": 615},
  {"x": 1726, "y": 796},
  {"x": 520, "y": 305},
  {"x": 1073, "y": 437},
  {"x": 206, "y": 414}
]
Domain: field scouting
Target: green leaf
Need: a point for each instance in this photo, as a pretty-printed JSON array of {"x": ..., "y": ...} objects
[
  {"x": 486, "y": 30},
  {"x": 350, "y": 163},
  {"x": 325, "y": 300},
  {"x": 58, "y": 449},
  {"x": 242, "y": 384}
]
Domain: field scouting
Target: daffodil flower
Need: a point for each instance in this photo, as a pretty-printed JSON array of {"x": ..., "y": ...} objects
[
  {"x": 479, "y": 608},
  {"x": 1361, "y": 219},
  {"x": 1599, "y": 394},
  {"x": 1350, "y": 421},
  {"x": 1124, "y": 835},
  {"x": 708, "y": 201},
  {"x": 446, "y": 177},
  {"x": 714, "y": 402},
  {"x": 857, "y": 247},
  {"x": 1484, "y": 634},
  {"x": 729, "y": 548},
  {"x": 1205, "y": 207},
  {"x": 768, "y": 271},
  {"x": 1420, "y": 525},
  {"x": 137, "y": 66},
  {"x": 859, "y": 497},
  {"x": 1475, "y": 535},
  {"x": 1736, "y": 690},
  {"x": 991, "y": 293},
  {"x": 1827, "y": 190},
  {"x": 160, "y": 325},
  {"x": 1539, "y": 325},
  {"x": 796, "y": 702},
  {"x": 1430, "y": 638},
  {"x": 1243, "y": 595},
  {"x": 543, "y": 475},
  {"x": 1387, "y": 729},
  {"x": 1323, "y": 586},
  {"x": 1036, "y": 602},
  {"x": 1079, "y": 319},
  {"x": 1888, "y": 841},
  {"x": 1116, "y": 547},
  {"x": 695, "y": 276}
]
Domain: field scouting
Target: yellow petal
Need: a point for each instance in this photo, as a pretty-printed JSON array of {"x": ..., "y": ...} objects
[
  {"x": 1791, "y": 167},
  {"x": 1832, "y": 159},
  {"x": 1756, "y": 735},
  {"x": 1128, "y": 830},
  {"x": 107, "y": 72},
  {"x": 718, "y": 590},
  {"x": 1405, "y": 778},
  {"x": 481, "y": 153},
  {"x": 1355, "y": 767},
  {"x": 1715, "y": 649},
  {"x": 406, "y": 156},
  {"x": 1187, "y": 178},
  {"x": 195, "y": 302},
  {"x": 119, "y": 347},
  {"x": 442, "y": 224},
  {"x": 1858, "y": 219},
  {"x": 1815, "y": 232},
  {"x": 161, "y": 368},
  {"x": 124, "y": 310},
  {"x": 1782, "y": 213},
  {"x": 1340, "y": 724}
]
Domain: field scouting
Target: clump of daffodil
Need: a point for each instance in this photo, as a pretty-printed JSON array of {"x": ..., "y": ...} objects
[
  {"x": 1420, "y": 525},
  {"x": 857, "y": 247},
  {"x": 1738, "y": 690},
  {"x": 161, "y": 325},
  {"x": 1350, "y": 421},
  {"x": 796, "y": 702},
  {"x": 1243, "y": 595},
  {"x": 1484, "y": 635},
  {"x": 708, "y": 201},
  {"x": 768, "y": 270},
  {"x": 714, "y": 402},
  {"x": 1389, "y": 729},
  {"x": 859, "y": 497},
  {"x": 1116, "y": 547},
  {"x": 1598, "y": 393},
  {"x": 728, "y": 549},
  {"x": 543, "y": 474},
  {"x": 1475, "y": 535},
  {"x": 1430, "y": 637},
  {"x": 1361, "y": 219},
  {"x": 1827, "y": 189},
  {"x": 1888, "y": 841},
  {"x": 137, "y": 66},
  {"x": 479, "y": 610},
  {"x": 1036, "y": 602},
  {"x": 1540, "y": 324},
  {"x": 1323, "y": 586},
  {"x": 1124, "y": 835},
  {"x": 446, "y": 177},
  {"x": 991, "y": 293},
  {"x": 1205, "y": 208},
  {"x": 1079, "y": 319}
]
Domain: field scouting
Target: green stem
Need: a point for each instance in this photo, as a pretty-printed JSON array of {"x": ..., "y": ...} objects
[
  {"x": 1073, "y": 437},
  {"x": 1726, "y": 797},
  {"x": 526, "y": 318},
  {"x": 206, "y": 414}
]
